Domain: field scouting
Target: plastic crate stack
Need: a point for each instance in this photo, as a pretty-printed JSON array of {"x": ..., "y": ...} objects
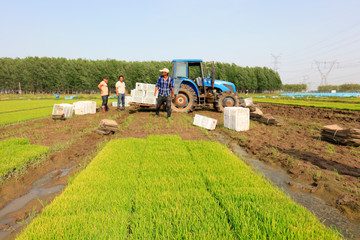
[
  {"x": 237, "y": 118},
  {"x": 84, "y": 107},
  {"x": 144, "y": 93},
  {"x": 62, "y": 111}
]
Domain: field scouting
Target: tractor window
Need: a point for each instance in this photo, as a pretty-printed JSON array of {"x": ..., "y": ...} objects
[
  {"x": 194, "y": 71},
  {"x": 181, "y": 69}
]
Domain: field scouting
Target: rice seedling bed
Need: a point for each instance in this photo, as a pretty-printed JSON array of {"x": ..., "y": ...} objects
[
  {"x": 310, "y": 103},
  {"x": 163, "y": 187},
  {"x": 16, "y": 153},
  {"x": 23, "y": 110}
]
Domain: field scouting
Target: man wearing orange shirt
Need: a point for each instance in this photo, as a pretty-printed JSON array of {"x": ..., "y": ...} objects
[{"x": 104, "y": 94}]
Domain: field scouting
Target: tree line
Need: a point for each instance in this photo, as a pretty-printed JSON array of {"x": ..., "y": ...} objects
[
  {"x": 61, "y": 75},
  {"x": 340, "y": 88},
  {"x": 294, "y": 87}
]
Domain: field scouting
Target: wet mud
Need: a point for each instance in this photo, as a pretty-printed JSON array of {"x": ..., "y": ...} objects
[{"x": 328, "y": 215}]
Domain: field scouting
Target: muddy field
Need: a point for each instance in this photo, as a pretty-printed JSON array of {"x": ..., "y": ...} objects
[{"x": 331, "y": 172}]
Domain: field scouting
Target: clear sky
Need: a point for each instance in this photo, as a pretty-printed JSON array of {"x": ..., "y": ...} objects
[{"x": 244, "y": 32}]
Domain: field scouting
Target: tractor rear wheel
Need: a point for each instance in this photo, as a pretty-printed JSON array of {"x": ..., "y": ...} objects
[
  {"x": 184, "y": 101},
  {"x": 226, "y": 99}
]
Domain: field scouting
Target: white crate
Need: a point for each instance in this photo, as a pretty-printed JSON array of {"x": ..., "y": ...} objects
[
  {"x": 237, "y": 118},
  {"x": 149, "y": 100},
  {"x": 205, "y": 122},
  {"x": 79, "y": 108},
  {"x": 140, "y": 86},
  {"x": 150, "y": 88},
  {"x": 151, "y": 94},
  {"x": 137, "y": 99},
  {"x": 248, "y": 102},
  {"x": 63, "y": 108},
  {"x": 84, "y": 107},
  {"x": 68, "y": 109},
  {"x": 128, "y": 99},
  {"x": 90, "y": 107},
  {"x": 137, "y": 93}
]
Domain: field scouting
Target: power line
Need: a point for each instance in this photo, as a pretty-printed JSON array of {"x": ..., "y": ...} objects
[{"x": 325, "y": 39}]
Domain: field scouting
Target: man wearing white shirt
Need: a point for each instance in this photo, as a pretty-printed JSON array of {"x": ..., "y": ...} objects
[{"x": 120, "y": 92}]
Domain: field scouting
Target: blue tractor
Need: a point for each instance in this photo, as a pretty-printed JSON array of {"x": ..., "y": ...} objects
[{"x": 193, "y": 88}]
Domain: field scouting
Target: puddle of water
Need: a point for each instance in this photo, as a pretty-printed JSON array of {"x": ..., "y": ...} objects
[
  {"x": 329, "y": 216},
  {"x": 38, "y": 190}
]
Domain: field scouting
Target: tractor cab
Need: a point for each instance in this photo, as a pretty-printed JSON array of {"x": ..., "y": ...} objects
[{"x": 189, "y": 69}]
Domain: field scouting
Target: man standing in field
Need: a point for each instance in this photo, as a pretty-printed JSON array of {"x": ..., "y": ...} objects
[
  {"x": 120, "y": 92},
  {"x": 104, "y": 89},
  {"x": 165, "y": 85}
]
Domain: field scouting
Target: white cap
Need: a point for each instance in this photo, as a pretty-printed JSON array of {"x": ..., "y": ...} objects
[{"x": 164, "y": 70}]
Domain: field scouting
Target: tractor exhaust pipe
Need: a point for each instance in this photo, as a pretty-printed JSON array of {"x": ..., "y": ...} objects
[{"x": 213, "y": 75}]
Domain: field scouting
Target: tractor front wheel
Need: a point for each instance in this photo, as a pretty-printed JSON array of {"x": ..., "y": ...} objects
[
  {"x": 226, "y": 99},
  {"x": 184, "y": 101}
]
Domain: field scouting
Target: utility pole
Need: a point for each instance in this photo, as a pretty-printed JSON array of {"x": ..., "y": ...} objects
[
  {"x": 326, "y": 70},
  {"x": 275, "y": 61}
]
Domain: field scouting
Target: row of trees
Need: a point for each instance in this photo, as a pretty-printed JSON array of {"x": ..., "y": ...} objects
[
  {"x": 70, "y": 75},
  {"x": 294, "y": 87},
  {"x": 340, "y": 88}
]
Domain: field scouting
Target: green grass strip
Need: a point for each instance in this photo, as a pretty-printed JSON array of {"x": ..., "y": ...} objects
[
  {"x": 14, "y": 117},
  {"x": 16, "y": 153},
  {"x": 23, "y": 110},
  {"x": 21, "y": 105},
  {"x": 165, "y": 188},
  {"x": 309, "y": 103}
]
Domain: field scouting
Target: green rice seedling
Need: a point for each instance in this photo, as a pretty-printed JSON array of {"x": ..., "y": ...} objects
[
  {"x": 13, "y": 117},
  {"x": 255, "y": 209},
  {"x": 16, "y": 153},
  {"x": 165, "y": 188},
  {"x": 337, "y": 175},
  {"x": 330, "y": 150},
  {"x": 312, "y": 103},
  {"x": 22, "y": 105},
  {"x": 355, "y": 151},
  {"x": 24, "y": 110},
  {"x": 172, "y": 201},
  {"x": 97, "y": 204}
]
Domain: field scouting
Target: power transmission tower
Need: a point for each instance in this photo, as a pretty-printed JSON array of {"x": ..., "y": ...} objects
[
  {"x": 306, "y": 81},
  {"x": 275, "y": 61},
  {"x": 326, "y": 70}
]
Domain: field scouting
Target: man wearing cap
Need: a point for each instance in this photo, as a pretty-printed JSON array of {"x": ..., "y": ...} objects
[
  {"x": 104, "y": 94},
  {"x": 165, "y": 85}
]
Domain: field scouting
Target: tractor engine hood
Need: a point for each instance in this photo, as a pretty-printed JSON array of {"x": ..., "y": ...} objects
[{"x": 222, "y": 85}]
